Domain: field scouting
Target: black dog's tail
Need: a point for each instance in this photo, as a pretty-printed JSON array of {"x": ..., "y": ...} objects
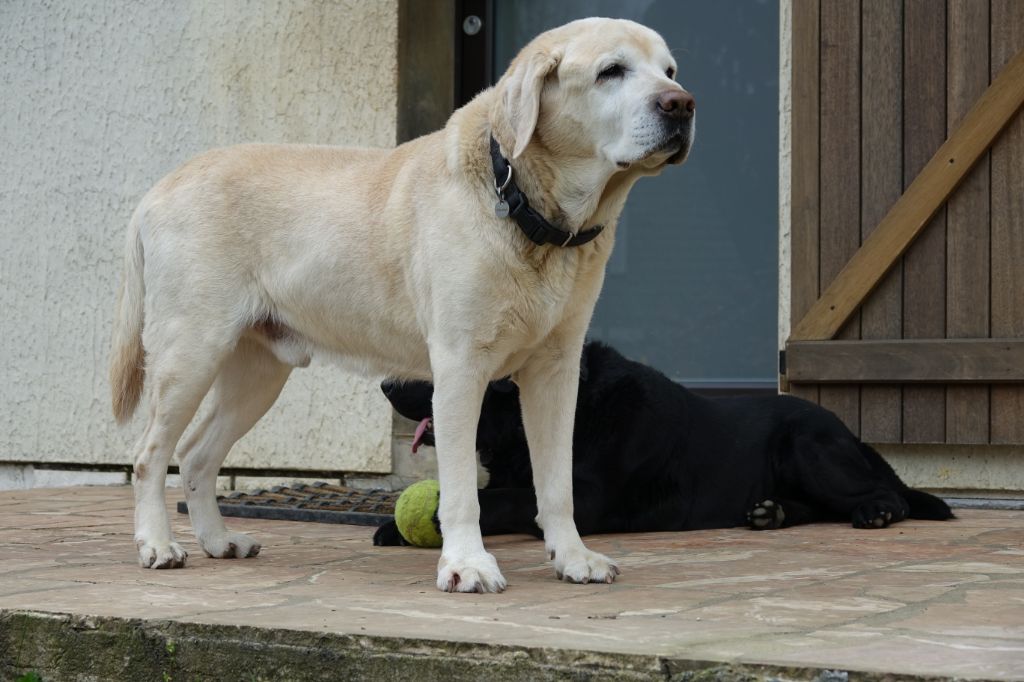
[
  {"x": 926, "y": 506},
  {"x": 923, "y": 505}
]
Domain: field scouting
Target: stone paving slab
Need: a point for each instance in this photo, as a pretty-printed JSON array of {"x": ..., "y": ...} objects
[{"x": 919, "y": 600}]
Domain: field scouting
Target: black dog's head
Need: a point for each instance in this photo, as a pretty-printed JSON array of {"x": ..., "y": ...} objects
[
  {"x": 500, "y": 420},
  {"x": 500, "y": 438},
  {"x": 501, "y": 423},
  {"x": 411, "y": 399}
]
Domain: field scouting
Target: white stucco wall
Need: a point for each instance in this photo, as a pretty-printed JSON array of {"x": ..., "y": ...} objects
[
  {"x": 100, "y": 98},
  {"x": 785, "y": 164}
]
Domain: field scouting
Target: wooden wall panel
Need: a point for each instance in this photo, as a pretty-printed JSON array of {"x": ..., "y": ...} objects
[
  {"x": 881, "y": 185},
  {"x": 1007, "y": 220},
  {"x": 967, "y": 217},
  {"x": 804, "y": 197},
  {"x": 878, "y": 86},
  {"x": 840, "y": 170},
  {"x": 924, "y": 272}
]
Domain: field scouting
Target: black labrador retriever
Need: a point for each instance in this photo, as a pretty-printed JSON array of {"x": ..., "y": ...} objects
[{"x": 650, "y": 455}]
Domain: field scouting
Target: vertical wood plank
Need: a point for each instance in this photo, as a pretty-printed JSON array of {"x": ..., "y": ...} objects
[
  {"x": 804, "y": 197},
  {"x": 924, "y": 265},
  {"x": 840, "y": 170},
  {"x": 881, "y": 185},
  {"x": 1007, "y": 220},
  {"x": 967, "y": 217}
]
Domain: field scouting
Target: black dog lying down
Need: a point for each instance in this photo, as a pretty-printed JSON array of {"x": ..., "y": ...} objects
[{"x": 649, "y": 455}]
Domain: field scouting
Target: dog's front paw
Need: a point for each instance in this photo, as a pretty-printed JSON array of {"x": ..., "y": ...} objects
[
  {"x": 228, "y": 545},
  {"x": 766, "y": 515},
  {"x": 474, "y": 573},
  {"x": 583, "y": 566},
  {"x": 161, "y": 555},
  {"x": 388, "y": 535}
]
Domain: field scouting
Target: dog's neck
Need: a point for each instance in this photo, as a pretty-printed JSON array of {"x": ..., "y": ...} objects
[
  {"x": 581, "y": 193},
  {"x": 576, "y": 195},
  {"x": 569, "y": 196}
]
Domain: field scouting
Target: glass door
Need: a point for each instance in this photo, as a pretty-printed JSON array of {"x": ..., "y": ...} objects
[{"x": 692, "y": 286}]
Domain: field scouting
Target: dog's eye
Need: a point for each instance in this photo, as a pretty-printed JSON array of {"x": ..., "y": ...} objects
[
  {"x": 670, "y": 72},
  {"x": 613, "y": 71}
]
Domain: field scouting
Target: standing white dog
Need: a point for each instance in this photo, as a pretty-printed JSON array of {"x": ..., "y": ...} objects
[{"x": 463, "y": 256}]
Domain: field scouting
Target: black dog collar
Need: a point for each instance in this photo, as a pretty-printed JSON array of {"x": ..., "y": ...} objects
[{"x": 512, "y": 203}]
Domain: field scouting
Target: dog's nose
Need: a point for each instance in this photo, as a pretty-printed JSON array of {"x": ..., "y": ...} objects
[{"x": 676, "y": 104}]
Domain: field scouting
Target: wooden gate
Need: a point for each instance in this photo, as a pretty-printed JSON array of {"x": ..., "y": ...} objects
[{"x": 907, "y": 248}]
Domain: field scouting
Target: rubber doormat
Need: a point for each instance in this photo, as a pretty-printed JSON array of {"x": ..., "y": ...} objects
[{"x": 319, "y": 502}]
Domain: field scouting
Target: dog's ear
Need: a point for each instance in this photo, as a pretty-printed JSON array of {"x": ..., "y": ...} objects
[{"x": 522, "y": 96}]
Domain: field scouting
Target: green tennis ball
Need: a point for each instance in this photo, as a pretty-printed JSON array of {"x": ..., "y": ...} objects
[{"x": 416, "y": 514}]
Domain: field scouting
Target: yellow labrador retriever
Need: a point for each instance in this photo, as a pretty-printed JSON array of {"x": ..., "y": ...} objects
[{"x": 466, "y": 255}]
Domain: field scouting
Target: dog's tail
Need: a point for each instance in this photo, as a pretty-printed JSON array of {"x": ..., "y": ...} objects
[{"x": 127, "y": 356}]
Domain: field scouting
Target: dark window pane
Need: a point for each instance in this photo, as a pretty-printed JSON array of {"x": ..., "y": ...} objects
[{"x": 692, "y": 287}]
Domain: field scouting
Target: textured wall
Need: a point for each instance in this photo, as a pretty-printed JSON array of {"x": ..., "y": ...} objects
[
  {"x": 102, "y": 98},
  {"x": 785, "y": 161}
]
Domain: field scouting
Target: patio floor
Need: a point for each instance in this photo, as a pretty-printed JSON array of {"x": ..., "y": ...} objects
[{"x": 824, "y": 602}]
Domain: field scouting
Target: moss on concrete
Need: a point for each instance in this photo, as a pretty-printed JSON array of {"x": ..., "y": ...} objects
[{"x": 67, "y": 647}]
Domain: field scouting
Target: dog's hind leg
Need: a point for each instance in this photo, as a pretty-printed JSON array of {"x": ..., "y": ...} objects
[
  {"x": 183, "y": 362},
  {"x": 548, "y": 385},
  {"x": 248, "y": 383},
  {"x": 922, "y": 505},
  {"x": 830, "y": 473}
]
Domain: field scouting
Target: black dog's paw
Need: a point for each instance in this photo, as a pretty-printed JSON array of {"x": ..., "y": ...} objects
[
  {"x": 766, "y": 515},
  {"x": 388, "y": 536},
  {"x": 878, "y": 514}
]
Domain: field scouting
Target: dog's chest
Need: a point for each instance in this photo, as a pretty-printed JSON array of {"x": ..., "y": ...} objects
[{"x": 541, "y": 294}]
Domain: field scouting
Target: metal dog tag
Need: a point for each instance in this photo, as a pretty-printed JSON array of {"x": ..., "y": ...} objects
[{"x": 501, "y": 208}]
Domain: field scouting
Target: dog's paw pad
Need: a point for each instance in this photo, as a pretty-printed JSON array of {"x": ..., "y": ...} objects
[
  {"x": 229, "y": 546},
  {"x": 477, "y": 573},
  {"x": 164, "y": 555},
  {"x": 877, "y": 514},
  {"x": 766, "y": 515},
  {"x": 876, "y": 521}
]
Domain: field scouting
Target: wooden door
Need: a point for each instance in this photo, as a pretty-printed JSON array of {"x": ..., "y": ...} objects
[{"x": 914, "y": 334}]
